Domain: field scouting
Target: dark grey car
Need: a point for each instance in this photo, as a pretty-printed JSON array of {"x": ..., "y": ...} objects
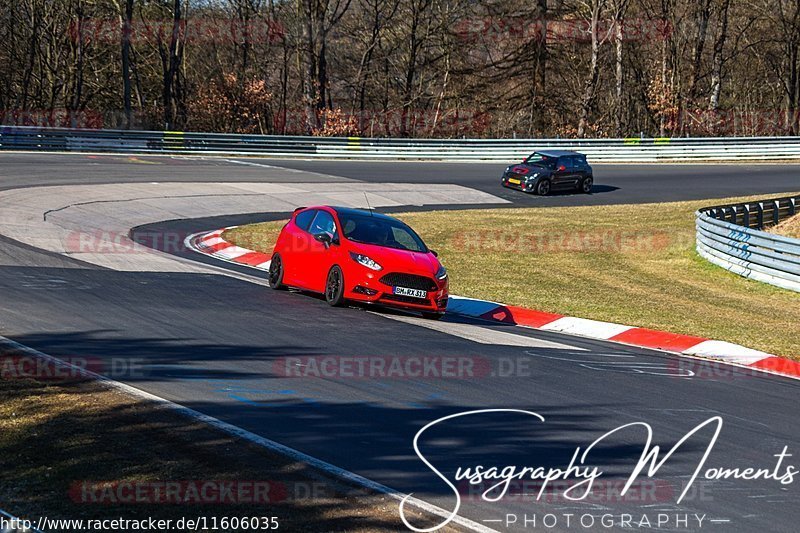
[{"x": 550, "y": 170}]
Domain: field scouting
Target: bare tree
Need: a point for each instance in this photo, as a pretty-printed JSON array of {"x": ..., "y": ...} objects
[
  {"x": 517, "y": 61},
  {"x": 619, "y": 9},
  {"x": 377, "y": 14},
  {"x": 416, "y": 39},
  {"x": 171, "y": 55},
  {"x": 598, "y": 36},
  {"x": 320, "y": 17},
  {"x": 127, "y": 29},
  {"x": 717, "y": 59}
]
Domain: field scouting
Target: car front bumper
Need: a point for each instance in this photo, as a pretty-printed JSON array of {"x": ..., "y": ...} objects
[
  {"x": 370, "y": 290},
  {"x": 525, "y": 184}
]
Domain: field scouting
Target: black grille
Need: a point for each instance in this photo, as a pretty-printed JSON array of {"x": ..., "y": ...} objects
[
  {"x": 409, "y": 281},
  {"x": 405, "y": 299}
]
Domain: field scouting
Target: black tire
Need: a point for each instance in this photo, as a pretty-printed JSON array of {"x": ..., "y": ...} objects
[
  {"x": 334, "y": 287},
  {"x": 275, "y": 276},
  {"x": 543, "y": 187},
  {"x": 432, "y": 316},
  {"x": 586, "y": 185}
]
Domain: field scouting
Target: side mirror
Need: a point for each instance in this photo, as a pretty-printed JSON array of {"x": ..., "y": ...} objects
[
  {"x": 562, "y": 168},
  {"x": 435, "y": 253},
  {"x": 324, "y": 238}
]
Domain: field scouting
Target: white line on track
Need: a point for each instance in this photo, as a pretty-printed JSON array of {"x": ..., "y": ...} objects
[
  {"x": 258, "y": 440},
  {"x": 262, "y": 165}
]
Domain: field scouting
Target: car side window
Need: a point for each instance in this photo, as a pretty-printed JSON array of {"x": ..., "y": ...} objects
[
  {"x": 303, "y": 220},
  {"x": 323, "y": 223}
]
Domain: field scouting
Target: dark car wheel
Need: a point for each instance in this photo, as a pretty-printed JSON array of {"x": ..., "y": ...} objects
[
  {"x": 334, "y": 287},
  {"x": 543, "y": 188},
  {"x": 275, "y": 276},
  {"x": 586, "y": 185},
  {"x": 432, "y": 316}
]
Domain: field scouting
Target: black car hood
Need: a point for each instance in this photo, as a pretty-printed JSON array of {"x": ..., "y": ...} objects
[{"x": 530, "y": 167}]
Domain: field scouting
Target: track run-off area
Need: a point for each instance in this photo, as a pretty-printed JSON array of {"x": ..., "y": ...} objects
[{"x": 284, "y": 366}]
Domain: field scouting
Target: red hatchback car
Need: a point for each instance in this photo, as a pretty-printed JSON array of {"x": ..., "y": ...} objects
[{"x": 352, "y": 254}]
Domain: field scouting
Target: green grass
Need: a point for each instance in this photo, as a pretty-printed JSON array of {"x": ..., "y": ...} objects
[{"x": 632, "y": 264}]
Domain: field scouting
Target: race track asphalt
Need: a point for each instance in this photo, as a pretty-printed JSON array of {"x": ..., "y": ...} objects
[
  {"x": 614, "y": 184},
  {"x": 224, "y": 347}
]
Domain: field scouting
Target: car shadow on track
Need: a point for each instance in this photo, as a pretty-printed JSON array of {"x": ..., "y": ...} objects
[{"x": 596, "y": 189}]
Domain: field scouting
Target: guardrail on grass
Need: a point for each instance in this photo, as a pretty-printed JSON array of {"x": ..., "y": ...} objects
[
  {"x": 732, "y": 237},
  {"x": 500, "y": 150}
]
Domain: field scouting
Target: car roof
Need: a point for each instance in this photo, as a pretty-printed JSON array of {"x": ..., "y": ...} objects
[
  {"x": 556, "y": 153},
  {"x": 352, "y": 211}
]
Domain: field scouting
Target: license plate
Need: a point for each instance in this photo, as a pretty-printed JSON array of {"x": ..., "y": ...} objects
[
  {"x": 515, "y": 182},
  {"x": 414, "y": 293}
]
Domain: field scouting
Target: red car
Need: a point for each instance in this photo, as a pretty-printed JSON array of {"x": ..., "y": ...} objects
[{"x": 351, "y": 254}]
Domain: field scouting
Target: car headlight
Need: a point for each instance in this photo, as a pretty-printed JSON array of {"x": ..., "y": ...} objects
[
  {"x": 441, "y": 274},
  {"x": 365, "y": 261}
]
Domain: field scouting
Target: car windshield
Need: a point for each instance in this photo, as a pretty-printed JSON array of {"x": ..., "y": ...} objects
[
  {"x": 542, "y": 160},
  {"x": 380, "y": 232}
]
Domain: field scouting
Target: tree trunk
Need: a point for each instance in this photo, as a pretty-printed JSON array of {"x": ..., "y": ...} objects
[
  {"x": 172, "y": 64},
  {"x": 540, "y": 71},
  {"x": 311, "y": 95},
  {"x": 594, "y": 68},
  {"x": 77, "y": 94},
  {"x": 619, "y": 20},
  {"x": 126, "y": 62},
  {"x": 716, "y": 64},
  {"x": 703, "y": 14},
  {"x": 411, "y": 65},
  {"x": 792, "y": 89}
]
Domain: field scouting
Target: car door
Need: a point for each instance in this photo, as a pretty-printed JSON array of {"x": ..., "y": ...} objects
[
  {"x": 319, "y": 258},
  {"x": 575, "y": 168},
  {"x": 294, "y": 249},
  {"x": 562, "y": 175}
]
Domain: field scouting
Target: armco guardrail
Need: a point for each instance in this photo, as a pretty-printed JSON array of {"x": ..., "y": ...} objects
[
  {"x": 501, "y": 150},
  {"x": 731, "y": 236}
]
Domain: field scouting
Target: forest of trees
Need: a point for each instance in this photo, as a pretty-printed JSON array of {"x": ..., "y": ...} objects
[{"x": 405, "y": 68}]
